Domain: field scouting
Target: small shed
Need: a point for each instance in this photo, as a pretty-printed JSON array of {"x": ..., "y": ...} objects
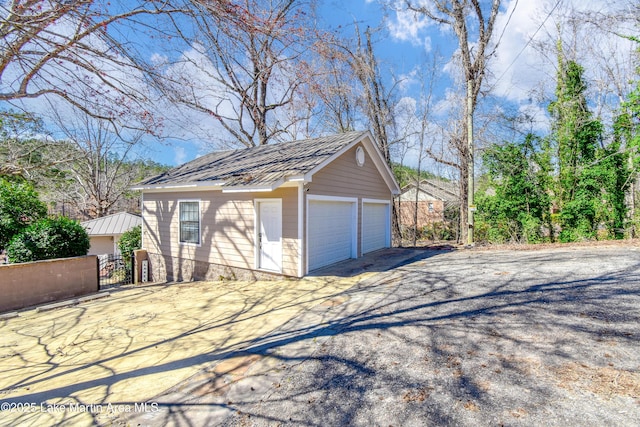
[
  {"x": 104, "y": 233},
  {"x": 284, "y": 209}
]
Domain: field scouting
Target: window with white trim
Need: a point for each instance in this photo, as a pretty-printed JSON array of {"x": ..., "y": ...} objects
[{"x": 190, "y": 222}]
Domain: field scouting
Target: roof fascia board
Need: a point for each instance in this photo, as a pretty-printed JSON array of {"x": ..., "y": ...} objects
[
  {"x": 333, "y": 157},
  {"x": 256, "y": 189},
  {"x": 382, "y": 165},
  {"x": 191, "y": 186}
]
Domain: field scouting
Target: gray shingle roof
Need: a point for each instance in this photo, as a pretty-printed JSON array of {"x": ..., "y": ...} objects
[
  {"x": 264, "y": 165},
  {"x": 111, "y": 224},
  {"x": 447, "y": 191}
]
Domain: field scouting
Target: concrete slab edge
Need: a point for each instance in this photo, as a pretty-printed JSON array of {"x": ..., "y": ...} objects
[
  {"x": 69, "y": 303},
  {"x": 94, "y": 296},
  {"x": 10, "y": 315},
  {"x": 61, "y": 304}
]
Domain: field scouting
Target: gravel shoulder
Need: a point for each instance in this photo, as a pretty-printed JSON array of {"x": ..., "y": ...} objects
[{"x": 468, "y": 337}]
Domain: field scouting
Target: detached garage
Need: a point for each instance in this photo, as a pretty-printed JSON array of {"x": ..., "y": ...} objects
[
  {"x": 376, "y": 220},
  {"x": 286, "y": 209},
  {"x": 332, "y": 229}
]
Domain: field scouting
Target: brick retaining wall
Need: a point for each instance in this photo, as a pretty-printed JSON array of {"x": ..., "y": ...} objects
[{"x": 30, "y": 283}]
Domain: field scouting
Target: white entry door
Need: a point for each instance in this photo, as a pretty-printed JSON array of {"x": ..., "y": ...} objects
[{"x": 270, "y": 235}]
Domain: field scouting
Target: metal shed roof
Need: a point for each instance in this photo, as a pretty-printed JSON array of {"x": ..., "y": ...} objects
[{"x": 111, "y": 224}]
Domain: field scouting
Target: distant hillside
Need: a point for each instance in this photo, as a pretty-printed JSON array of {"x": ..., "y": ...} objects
[{"x": 406, "y": 174}]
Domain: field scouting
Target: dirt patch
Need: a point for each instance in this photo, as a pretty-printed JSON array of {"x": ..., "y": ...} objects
[
  {"x": 527, "y": 366},
  {"x": 605, "y": 381},
  {"x": 519, "y": 413},
  {"x": 218, "y": 380},
  {"x": 539, "y": 246},
  {"x": 470, "y": 406},
  {"x": 526, "y": 247},
  {"x": 418, "y": 395}
]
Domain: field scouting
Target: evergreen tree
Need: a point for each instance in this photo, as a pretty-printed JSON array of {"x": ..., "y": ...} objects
[
  {"x": 626, "y": 130},
  {"x": 590, "y": 180},
  {"x": 520, "y": 205}
]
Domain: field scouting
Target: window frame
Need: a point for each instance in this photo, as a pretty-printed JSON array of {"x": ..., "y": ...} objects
[{"x": 180, "y": 221}]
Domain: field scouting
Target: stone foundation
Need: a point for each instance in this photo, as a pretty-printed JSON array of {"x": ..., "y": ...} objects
[{"x": 172, "y": 269}]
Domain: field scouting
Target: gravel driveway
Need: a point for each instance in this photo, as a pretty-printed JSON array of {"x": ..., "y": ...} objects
[{"x": 518, "y": 338}]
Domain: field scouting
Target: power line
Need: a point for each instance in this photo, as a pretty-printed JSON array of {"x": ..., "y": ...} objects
[
  {"x": 507, "y": 24},
  {"x": 526, "y": 44}
]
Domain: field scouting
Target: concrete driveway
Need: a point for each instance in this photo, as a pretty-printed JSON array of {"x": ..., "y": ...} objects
[{"x": 102, "y": 360}]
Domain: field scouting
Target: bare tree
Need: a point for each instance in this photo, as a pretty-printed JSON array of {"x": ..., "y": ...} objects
[
  {"x": 54, "y": 48},
  {"x": 427, "y": 81},
  {"x": 377, "y": 100},
  {"x": 245, "y": 65},
  {"x": 25, "y": 149},
  {"x": 97, "y": 176},
  {"x": 353, "y": 92},
  {"x": 336, "y": 86},
  {"x": 473, "y": 28}
]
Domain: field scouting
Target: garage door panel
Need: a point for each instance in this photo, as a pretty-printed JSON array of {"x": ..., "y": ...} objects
[
  {"x": 330, "y": 232},
  {"x": 375, "y": 226}
]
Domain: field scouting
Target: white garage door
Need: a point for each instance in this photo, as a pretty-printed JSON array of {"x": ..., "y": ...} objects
[
  {"x": 330, "y": 232},
  {"x": 375, "y": 226}
]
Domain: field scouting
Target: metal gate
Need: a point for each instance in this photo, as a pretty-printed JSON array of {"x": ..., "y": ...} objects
[{"x": 115, "y": 270}]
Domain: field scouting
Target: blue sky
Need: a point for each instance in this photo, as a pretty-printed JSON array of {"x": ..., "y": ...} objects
[
  {"x": 522, "y": 74},
  {"x": 399, "y": 55}
]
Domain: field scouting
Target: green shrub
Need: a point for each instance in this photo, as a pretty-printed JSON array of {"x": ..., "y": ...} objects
[
  {"x": 19, "y": 207},
  {"x": 531, "y": 228},
  {"x": 436, "y": 231},
  {"x": 130, "y": 241},
  {"x": 48, "y": 239}
]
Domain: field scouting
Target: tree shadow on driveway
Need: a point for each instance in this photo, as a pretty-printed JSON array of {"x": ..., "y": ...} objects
[
  {"x": 475, "y": 341},
  {"x": 466, "y": 338}
]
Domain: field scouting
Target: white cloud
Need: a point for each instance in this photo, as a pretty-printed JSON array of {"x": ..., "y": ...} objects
[
  {"x": 518, "y": 66},
  {"x": 406, "y": 81},
  {"x": 407, "y": 26},
  {"x": 538, "y": 117},
  {"x": 179, "y": 155},
  {"x": 158, "y": 59},
  {"x": 525, "y": 65},
  {"x": 448, "y": 105},
  {"x": 427, "y": 44}
]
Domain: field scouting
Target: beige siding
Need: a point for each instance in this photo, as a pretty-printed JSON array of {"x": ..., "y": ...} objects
[
  {"x": 227, "y": 227},
  {"x": 343, "y": 177},
  {"x": 101, "y": 245}
]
